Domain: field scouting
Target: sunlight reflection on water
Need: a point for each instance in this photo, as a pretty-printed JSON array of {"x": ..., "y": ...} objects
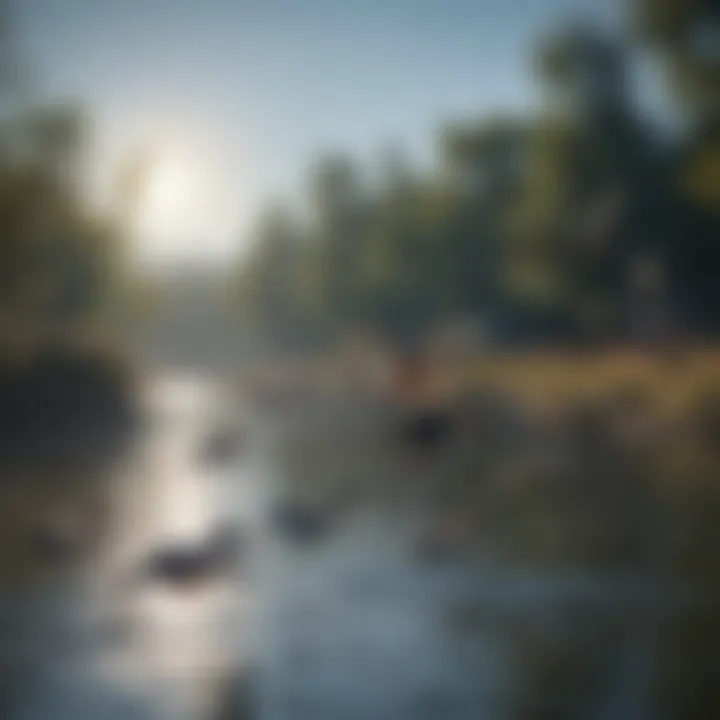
[{"x": 353, "y": 627}]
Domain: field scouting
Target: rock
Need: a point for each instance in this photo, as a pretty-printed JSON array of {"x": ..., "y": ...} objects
[{"x": 301, "y": 523}]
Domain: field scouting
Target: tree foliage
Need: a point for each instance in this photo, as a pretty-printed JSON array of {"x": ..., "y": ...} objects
[
  {"x": 545, "y": 225},
  {"x": 60, "y": 263}
]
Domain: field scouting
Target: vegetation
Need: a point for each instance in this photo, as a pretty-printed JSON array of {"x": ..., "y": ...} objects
[
  {"x": 595, "y": 468},
  {"x": 583, "y": 222},
  {"x": 62, "y": 277}
]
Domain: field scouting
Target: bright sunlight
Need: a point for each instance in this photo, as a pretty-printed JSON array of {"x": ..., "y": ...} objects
[{"x": 174, "y": 209}]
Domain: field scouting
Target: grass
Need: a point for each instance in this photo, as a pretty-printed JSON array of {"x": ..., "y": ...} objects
[{"x": 588, "y": 459}]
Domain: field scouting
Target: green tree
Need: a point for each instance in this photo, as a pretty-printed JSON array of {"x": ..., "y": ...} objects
[
  {"x": 269, "y": 283},
  {"x": 581, "y": 213},
  {"x": 686, "y": 35}
]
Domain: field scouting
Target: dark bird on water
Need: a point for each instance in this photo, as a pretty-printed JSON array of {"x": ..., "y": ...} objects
[
  {"x": 425, "y": 424},
  {"x": 186, "y": 565},
  {"x": 426, "y": 430}
]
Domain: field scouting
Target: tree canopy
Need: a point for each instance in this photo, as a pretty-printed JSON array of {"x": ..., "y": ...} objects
[{"x": 543, "y": 225}]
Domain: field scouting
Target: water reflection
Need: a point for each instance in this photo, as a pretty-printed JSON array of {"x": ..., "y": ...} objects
[
  {"x": 549, "y": 591},
  {"x": 552, "y": 601}
]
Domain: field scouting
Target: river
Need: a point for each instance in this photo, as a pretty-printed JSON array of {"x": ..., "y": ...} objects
[{"x": 351, "y": 626}]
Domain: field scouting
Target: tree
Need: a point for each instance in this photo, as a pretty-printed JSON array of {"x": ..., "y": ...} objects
[
  {"x": 686, "y": 35},
  {"x": 269, "y": 283},
  {"x": 588, "y": 176},
  {"x": 59, "y": 263},
  {"x": 338, "y": 215}
]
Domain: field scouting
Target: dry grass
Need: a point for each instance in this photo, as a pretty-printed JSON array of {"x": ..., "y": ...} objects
[
  {"x": 587, "y": 458},
  {"x": 552, "y": 378}
]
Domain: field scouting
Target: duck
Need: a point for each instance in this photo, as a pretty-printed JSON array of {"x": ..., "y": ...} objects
[{"x": 183, "y": 565}]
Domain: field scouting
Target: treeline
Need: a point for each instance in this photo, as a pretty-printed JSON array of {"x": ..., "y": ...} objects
[
  {"x": 57, "y": 259},
  {"x": 63, "y": 386},
  {"x": 61, "y": 263},
  {"x": 584, "y": 221}
]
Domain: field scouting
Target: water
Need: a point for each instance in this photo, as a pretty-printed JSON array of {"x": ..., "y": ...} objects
[
  {"x": 351, "y": 627},
  {"x": 358, "y": 630}
]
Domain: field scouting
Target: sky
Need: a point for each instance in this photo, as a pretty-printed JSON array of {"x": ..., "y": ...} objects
[{"x": 246, "y": 93}]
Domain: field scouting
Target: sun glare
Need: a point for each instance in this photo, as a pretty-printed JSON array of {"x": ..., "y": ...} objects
[
  {"x": 180, "y": 199},
  {"x": 170, "y": 187},
  {"x": 173, "y": 209}
]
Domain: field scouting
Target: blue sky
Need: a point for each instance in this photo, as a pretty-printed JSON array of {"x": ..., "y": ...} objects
[{"x": 263, "y": 85}]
